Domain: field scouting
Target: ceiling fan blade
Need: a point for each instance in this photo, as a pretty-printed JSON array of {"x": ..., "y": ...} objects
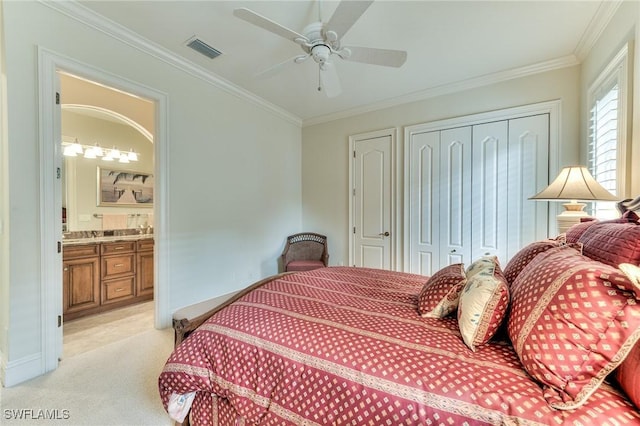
[
  {"x": 267, "y": 24},
  {"x": 345, "y": 15},
  {"x": 274, "y": 69},
  {"x": 329, "y": 80},
  {"x": 369, "y": 55}
]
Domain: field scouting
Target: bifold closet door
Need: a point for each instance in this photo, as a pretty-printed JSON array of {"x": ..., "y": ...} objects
[
  {"x": 528, "y": 171},
  {"x": 489, "y": 194},
  {"x": 455, "y": 196},
  {"x": 424, "y": 199},
  {"x": 440, "y": 199},
  {"x": 468, "y": 190},
  {"x": 510, "y": 160}
]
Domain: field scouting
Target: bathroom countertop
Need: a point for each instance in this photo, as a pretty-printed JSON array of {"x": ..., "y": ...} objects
[{"x": 93, "y": 240}]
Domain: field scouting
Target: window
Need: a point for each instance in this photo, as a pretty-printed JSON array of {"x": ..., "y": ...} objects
[{"x": 606, "y": 153}]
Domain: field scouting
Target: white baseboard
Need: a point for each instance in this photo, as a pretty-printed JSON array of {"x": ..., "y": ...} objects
[{"x": 20, "y": 370}]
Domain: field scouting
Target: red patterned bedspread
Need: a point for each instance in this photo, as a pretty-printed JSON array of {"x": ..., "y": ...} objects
[{"x": 344, "y": 345}]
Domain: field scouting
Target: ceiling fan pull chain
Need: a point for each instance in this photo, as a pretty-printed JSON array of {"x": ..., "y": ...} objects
[{"x": 319, "y": 80}]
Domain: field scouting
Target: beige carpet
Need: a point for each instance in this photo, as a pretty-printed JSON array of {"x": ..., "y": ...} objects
[{"x": 112, "y": 385}]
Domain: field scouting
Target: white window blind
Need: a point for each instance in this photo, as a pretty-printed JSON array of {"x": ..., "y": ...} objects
[
  {"x": 603, "y": 144},
  {"x": 607, "y": 134}
]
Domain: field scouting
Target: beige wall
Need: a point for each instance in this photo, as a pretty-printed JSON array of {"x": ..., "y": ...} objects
[
  {"x": 233, "y": 177},
  {"x": 325, "y": 157}
]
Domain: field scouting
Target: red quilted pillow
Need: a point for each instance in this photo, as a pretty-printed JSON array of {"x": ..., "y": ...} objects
[
  {"x": 612, "y": 243},
  {"x": 440, "y": 294},
  {"x": 573, "y": 320},
  {"x": 574, "y": 233}
]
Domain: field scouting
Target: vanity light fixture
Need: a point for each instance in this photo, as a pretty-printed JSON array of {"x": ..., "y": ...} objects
[{"x": 74, "y": 149}]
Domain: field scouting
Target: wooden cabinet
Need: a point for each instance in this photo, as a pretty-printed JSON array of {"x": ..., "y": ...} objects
[
  {"x": 102, "y": 276},
  {"x": 118, "y": 270},
  {"x": 145, "y": 268},
  {"x": 80, "y": 279}
]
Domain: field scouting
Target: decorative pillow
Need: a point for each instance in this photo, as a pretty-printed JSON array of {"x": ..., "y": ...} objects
[
  {"x": 526, "y": 255},
  {"x": 440, "y": 294},
  {"x": 487, "y": 263},
  {"x": 612, "y": 243},
  {"x": 573, "y": 320},
  {"x": 483, "y": 303},
  {"x": 628, "y": 377},
  {"x": 574, "y": 233}
]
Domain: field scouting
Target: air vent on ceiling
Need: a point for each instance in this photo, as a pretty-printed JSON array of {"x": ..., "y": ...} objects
[{"x": 200, "y": 46}]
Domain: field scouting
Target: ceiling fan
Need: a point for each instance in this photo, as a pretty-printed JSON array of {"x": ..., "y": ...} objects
[{"x": 322, "y": 42}]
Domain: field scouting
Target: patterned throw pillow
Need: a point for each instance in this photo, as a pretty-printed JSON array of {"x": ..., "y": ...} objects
[
  {"x": 483, "y": 302},
  {"x": 573, "y": 320},
  {"x": 526, "y": 255},
  {"x": 440, "y": 294}
]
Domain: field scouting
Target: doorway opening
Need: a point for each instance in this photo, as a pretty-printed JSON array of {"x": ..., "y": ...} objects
[{"x": 107, "y": 196}]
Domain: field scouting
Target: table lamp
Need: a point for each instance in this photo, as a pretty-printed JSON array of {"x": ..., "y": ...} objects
[{"x": 573, "y": 184}]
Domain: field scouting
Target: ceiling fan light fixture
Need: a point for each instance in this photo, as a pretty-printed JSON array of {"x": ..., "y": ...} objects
[{"x": 320, "y": 53}]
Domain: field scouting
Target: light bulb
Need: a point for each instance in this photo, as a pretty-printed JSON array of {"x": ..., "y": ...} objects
[{"x": 89, "y": 153}]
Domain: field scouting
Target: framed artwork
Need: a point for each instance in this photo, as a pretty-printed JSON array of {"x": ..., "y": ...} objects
[{"x": 124, "y": 188}]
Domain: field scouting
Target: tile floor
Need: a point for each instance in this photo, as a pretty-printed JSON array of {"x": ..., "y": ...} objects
[{"x": 85, "y": 334}]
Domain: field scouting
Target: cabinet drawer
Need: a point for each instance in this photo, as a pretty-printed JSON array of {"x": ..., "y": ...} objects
[
  {"x": 146, "y": 244},
  {"x": 117, "y": 266},
  {"x": 82, "y": 250},
  {"x": 115, "y": 290},
  {"x": 118, "y": 247}
]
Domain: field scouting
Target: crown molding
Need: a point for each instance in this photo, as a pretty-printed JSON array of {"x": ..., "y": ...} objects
[
  {"x": 86, "y": 16},
  {"x": 596, "y": 27},
  {"x": 445, "y": 89}
]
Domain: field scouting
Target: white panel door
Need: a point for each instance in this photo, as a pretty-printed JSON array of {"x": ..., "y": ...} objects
[
  {"x": 489, "y": 198},
  {"x": 424, "y": 198},
  {"x": 455, "y": 196},
  {"x": 372, "y": 202},
  {"x": 528, "y": 172}
]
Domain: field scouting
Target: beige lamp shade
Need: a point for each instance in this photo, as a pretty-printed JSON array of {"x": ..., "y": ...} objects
[{"x": 574, "y": 183}]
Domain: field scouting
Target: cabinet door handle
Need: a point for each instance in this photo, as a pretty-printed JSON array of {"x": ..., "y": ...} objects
[
  {"x": 119, "y": 289},
  {"x": 118, "y": 265},
  {"x": 119, "y": 248}
]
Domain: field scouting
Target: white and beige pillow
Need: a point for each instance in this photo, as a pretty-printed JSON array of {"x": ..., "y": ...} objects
[{"x": 483, "y": 302}]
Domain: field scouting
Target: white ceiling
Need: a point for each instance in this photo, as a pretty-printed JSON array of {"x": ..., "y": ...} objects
[{"x": 449, "y": 44}]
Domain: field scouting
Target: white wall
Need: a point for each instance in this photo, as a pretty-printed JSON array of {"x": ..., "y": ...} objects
[
  {"x": 325, "y": 157},
  {"x": 233, "y": 173},
  {"x": 622, "y": 29}
]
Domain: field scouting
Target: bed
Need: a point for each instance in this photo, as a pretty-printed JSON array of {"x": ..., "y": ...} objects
[{"x": 346, "y": 345}]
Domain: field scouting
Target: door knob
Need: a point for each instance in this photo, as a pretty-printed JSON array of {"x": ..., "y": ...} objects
[{"x": 386, "y": 233}]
